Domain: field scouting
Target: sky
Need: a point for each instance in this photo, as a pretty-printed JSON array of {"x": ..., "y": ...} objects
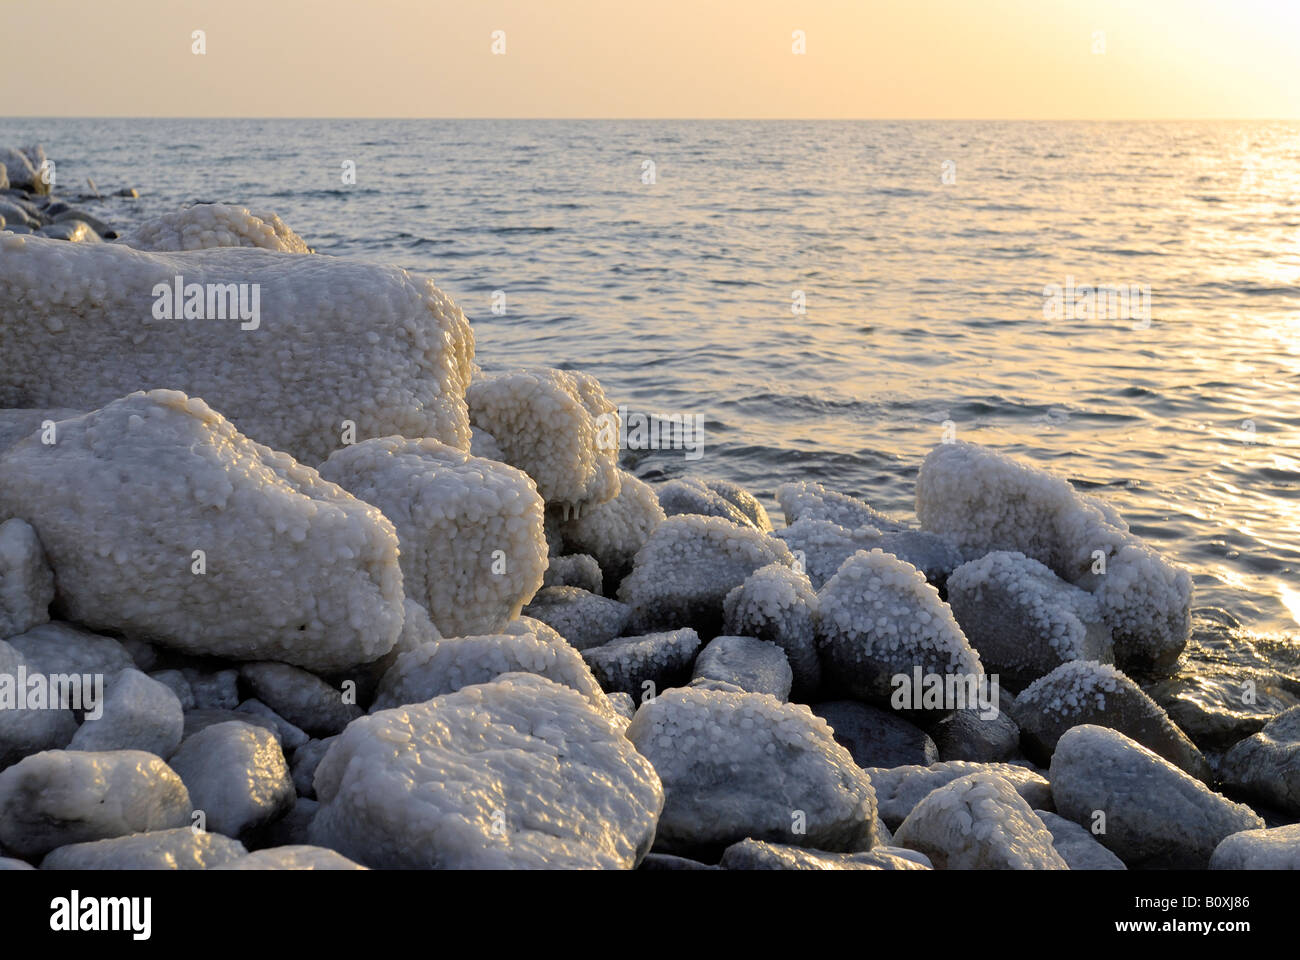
[{"x": 977, "y": 59}]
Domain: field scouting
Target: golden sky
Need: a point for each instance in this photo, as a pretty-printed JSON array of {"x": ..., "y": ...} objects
[{"x": 1040, "y": 59}]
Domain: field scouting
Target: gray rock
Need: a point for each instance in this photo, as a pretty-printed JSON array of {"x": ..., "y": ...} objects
[
  {"x": 1077, "y": 846},
  {"x": 300, "y": 697},
  {"x": 970, "y": 735},
  {"x": 629, "y": 664},
  {"x": 26, "y": 581},
  {"x": 62, "y": 648},
  {"x": 9, "y": 863},
  {"x": 236, "y": 775},
  {"x": 213, "y": 689},
  {"x": 1275, "y": 849},
  {"x": 73, "y": 231},
  {"x": 181, "y": 848},
  {"x": 875, "y": 737},
  {"x": 575, "y": 570},
  {"x": 296, "y": 857},
  {"x": 758, "y": 855},
  {"x": 1266, "y": 766},
  {"x": 294, "y": 828},
  {"x": 27, "y": 731},
  {"x": 175, "y": 681},
  {"x": 582, "y": 618},
  {"x": 666, "y": 861},
  {"x": 1156, "y": 816},
  {"x": 305, "y": 761},
  {"x": 899, "y": 789},
  {"x": 139, "y": 713},
  {"x": 755, "y": 666},
  {"x": 19, "y": 423},
  {"x": 779, "y": 604},
  {"x": 291, "y": 737},
  {"x": 713, "y": 498},
  {"x": 196, "y": 720}
]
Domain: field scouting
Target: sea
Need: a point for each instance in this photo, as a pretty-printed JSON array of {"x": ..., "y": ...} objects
[{"x": 1118, "y": 303}]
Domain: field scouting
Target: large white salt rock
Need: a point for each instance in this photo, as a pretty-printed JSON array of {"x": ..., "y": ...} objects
[
  {"x": 713, "y": 498},
  {"x": 205, "y": 541},
  {"x": 753, "y": 665},
  {"x": 447, "y": 665},
  {"x": 688, "y": 566},
  {"x": 738, "y": 765},
  {"x": 1023, "y": 619},
  {"x": 820, "y": 547},
  {"x": 207, "y": 225},
  {"x": 1085, "y": 692},
  {"x": 139, "y": 713},
  {"x": 472, "y": 548},
  {"x": 20, "y": 423},
  {"x": 1275, "y": 849},
  {"x": 557, "y": 427},
  {"x": 26, "y": 581},
  {"x": 181, "y": 848},
  {"x": 574, "y": 570},
  {"x": 293, "y": 857},
  {"x": 581, "y": 617},
  {"x": 879, "y": 618},
  {"x": 26, "y": 731},
  {"x": 615, "y": 530},
  {"x": 986, "y": 501},
  {"x": 337, "y": 347},
  {"x": 65, "y": 796},
  {"x": 302, "y": 698},
  {"x": 1267, "y": 764},
  {"x": 644, "y": 665},
  {"x": 517, "y": 773},
  {"x": 899, "y": 789},
  {"x": 236, "y": 775},
  {"x": 779, "y": 604},
  {"x": 1156, "y": 816},
  {"x": 802, "y": 500},
  {"x": 979, "y": 822}
]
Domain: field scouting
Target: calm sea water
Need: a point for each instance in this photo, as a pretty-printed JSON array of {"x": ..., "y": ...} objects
[{"x": 924, "y": 298}]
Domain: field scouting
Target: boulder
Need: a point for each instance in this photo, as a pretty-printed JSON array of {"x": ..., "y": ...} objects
[
  {"x": 1275, "y": 849},
  {"x": 1077, "y": 846},
  {"x": 181, "y": 848},
  {"x": 294, "y": 857},
  {"x": 138, "y": 713},
  {"x": 713, "y": 498},
  {"x": 302, "y": 698},
  {"x": 576, "y": 570},
  {"x": 26, "y": 582},
  {"x": 1266, "y": 766},
  {"x": 875, "y": 737},
  {"x": 778, "y": 604},
  {"x": 899, "y": 789},
  {"x": 205, "y": 226},
  {"x": 57, "y": 648},
  {"x": 755, "y": 666},
  {"x": 26, "y": 731},
  {"x": 582, "y": 618},
  {"x": 615, "y": 530},
  {"x": 758, "y": 855},
  {"x": 645, "y": 665},
  {"x": 236, "y": 775},
  {"x": 812, "y": 501}
]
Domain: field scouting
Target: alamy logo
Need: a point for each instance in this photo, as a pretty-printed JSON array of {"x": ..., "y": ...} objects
[
  {"x": 209, "y": 301},
  {"x": 1102, "y": 301},
  {"x": 54, "y": 691},
  {"x": 72, "y": 913},
  {"x": 652, "y": 431},
  {"x": 946, "y": 691}
]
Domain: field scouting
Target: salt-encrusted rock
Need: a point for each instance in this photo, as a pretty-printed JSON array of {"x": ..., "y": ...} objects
[
  {"x": 1156, "y": 816},
  {"x": 237, "y": 775},
  {"x": 520, "y": 772},
  {"x": 470, "y": 530},
  {"x": 27, "y": 731},
  {"x": 9, "y": 863},
  {"x": 575, "y": 570},
  {"x": 979, "y": 822},
  {"x": 207, "y": 225},
  {"x": 758, "y": 855},
  {"x": 62, "y": 648},
  {"x": 875, "y": 737},
  {"x": 746, "y": 765},
  {"x": 623, "y": 704},
  {"x": 1084, "y": 692},
  {"x": 614, "y": 531},
  {"x": 297, "y": 857},
  {"x": 755, "y": 666},
  {"x": 59, "y": 797},
  {"x": 820, "y": 547},
  {"x": 483, "y": 444},
  {"x": 1275, "y": 849},
  {"x": 305, "y": 761},
  {"x": 318, "y": 350},
  {"x": 71, "y": 231},
  {"x": 1023, "y": 619},
  {"x": 713, "y": 498},
  {"x": 16, "y": 215},
  {"x": 644, "y": 665},
  {"x": 26, "y": 582},
  {"x": 582, "y": 618},
  {"x": 1077, "y": 846},
  {"x": 20, "y": 423},
  {"x": 1267, "y": 765},
  {"x": 213, "y": 689},
  {"x": 778, "y": 604},
  {"x": 22, "y": 174},
  {"x": 291, "y": 737},
  {"x": 985, "y": 501},
  {"x": 447, "y": 665},
  {"x": 557, "y": 427},
  {"x": 812, "y": 501},
  {"x": 205, "y": 541},
  {"x": 688, "y": 566},
  {"x": 139, "y": 713},
  {"x": 666, "y": 861},
  {"x": 880, "y": 619},
  {"x": 175, "y": 681},
  {"x": 899, "y": 789},
  {"x": 972, "y": 735},
  {"x": 181, "y": 848},
  {"x": 196, "y": 720},
  {"x": 305, "y": 700}
]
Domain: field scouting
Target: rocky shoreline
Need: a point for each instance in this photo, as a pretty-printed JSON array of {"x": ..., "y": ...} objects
[{"x": 287, "y": 581}]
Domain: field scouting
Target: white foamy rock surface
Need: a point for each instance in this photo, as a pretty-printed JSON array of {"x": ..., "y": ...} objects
[
  {"x": 59, "y": 797},
  {"x": 556, "y": 426},
  {"x": 207, "y": 225},
  {"x": 778, "y": 604},
  {"x": 899, "y": 789},
  {"x": 753, "y": 665},
  {"x": 139, "y": 713},
  {"x": 615, "y": 530},
  {"x": 1275, "y": 849},
  {"x": 520, "y": 772},
  {"x": 581, "y": 617},
  {"x": 738, "y": 765},
  {"x": 688, "y": 566},
  {"x": 713, "y": 498},
  {"x": 574, "y": 570},
  {"x": 293, "y": 857},
  {"x": 472, "y": 548},
  {"x": 297, "y": 569},
  {"x": 1077, "y": 846},
  {"x": 336, "y": 340},
  {"x": 979, "y": 822},
  {"x": 180, "y": 848},
  {"x": 237, "y": 775},
  {"x": 19, "y": 424},
  {"x": 1267, "y": 764},
  {"x": 1083, "y": 692},
  {"x": 26, "y": 581},
  {"x": 812, "y": 501},
  {"x": 645, "y": 664},
  {"x": 1023, "y": 619},
  {"x": 447, "y": 665},
  {"x": 879, "y": 618},
  {"x": 1157, "y": 816},
  {"x": 985, "y": 501},
  {"x": 24, "y": 732}
]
